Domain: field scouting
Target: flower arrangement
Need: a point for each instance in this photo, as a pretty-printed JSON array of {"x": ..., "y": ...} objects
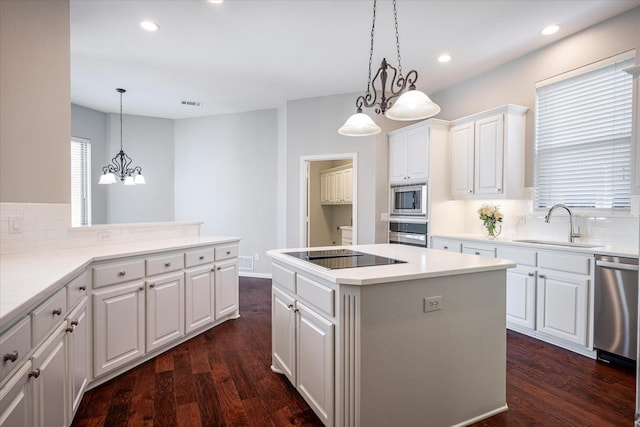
[{"x": 491, "y": 217}]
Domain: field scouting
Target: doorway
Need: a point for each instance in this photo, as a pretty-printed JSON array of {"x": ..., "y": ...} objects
[{"x": 328, "y": 200}]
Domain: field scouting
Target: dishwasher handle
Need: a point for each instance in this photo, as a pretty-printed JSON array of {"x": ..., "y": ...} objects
[{"x": 617, "y": 265}]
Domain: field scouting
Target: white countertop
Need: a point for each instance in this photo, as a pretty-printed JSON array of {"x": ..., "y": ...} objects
[
  {"x": 421, "y": 263},
  {"x": 617, "y": 250},
  {"x": 27, "y": 279}
]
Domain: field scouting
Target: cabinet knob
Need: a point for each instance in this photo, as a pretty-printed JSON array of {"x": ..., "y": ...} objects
[
  {"x": 35, "y": 373},
  {"x": 290, "y": 306},
  {"x": 218, "y": 269},
  {"x": 57, "y": 311},
  {"x": 469, "y": 191},
  {"x": 74, "y": 322},
  {"x": 531, "y": 274},
  {"x": 201, "y": 257},
  {"x": 228, "y": 252},
  {"x": 477, "y": 253},
  {"x": 141, "y": 288},
  {"x": 542, "y": 276},
  {"x": 167, "y": 264},
  {"x": 122, "y": 273},
  {"x": 82, "y": 288},
  {"x": 446, "y": 247},
  {"x": 295, "y": 310},
  {"x": 11, "y": 357},
  {"x": 152, "y": 285},
  {"x": 69, "y": 330},
  {"x": 498, "y": 189}
]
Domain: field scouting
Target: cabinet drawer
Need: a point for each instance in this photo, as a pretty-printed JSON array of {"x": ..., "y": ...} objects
[
  {"x": 315, "y": 293},
  {"x": 479, "y": 249},
  {"x": 164, "y": 264},
  {"x": 283, "y": 277},
  {"x": 198, "y": 257},
  {"x": 570, "y": 263},
  {"x": 15, "y": 344},
  {"x": 519, "y": 256},
  {"x": 48, "y": 315},
  {"x": 446, "y": 245},
  {"x": 76, "y": 289},
  {"x": 226, "y": 252},
  {"x": 110, "y": 274}
]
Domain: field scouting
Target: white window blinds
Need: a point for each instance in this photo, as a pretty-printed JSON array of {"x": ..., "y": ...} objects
[
  {"x": 583, "y": 139},
  {"x": 80, "y": 182}
]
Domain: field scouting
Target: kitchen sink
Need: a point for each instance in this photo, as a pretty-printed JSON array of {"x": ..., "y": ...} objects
[{"x": 554, "y": 243}]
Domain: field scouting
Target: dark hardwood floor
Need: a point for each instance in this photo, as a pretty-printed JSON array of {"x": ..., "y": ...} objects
[{"x": 222, "y": 378}]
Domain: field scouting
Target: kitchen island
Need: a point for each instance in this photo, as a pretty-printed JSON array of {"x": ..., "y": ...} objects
[{"x": 421, "y": 342}]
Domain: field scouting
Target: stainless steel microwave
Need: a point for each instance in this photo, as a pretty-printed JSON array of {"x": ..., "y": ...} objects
[{"x": 409, "y": 200}]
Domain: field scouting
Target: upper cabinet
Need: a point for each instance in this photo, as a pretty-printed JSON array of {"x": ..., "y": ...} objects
[
  {"x": 336, "y": 186},
  {"x": 487, "y": 154}
]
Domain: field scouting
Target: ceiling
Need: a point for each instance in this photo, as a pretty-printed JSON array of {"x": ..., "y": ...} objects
[{"x": 246, "y": 55}]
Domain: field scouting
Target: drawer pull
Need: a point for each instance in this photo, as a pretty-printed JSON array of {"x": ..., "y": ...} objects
[
  {"x": 35, "y": 373},
  {"x": 167, "y": 264},
  {"x": 70, "y": 330},
  {"x": 446, "y": 247},
  {"x": 11, "y": 357},
  {"x": 122, "y": 273},
  {"x": 218, "y": 268},
  {"x": 228, "y": 252},
  {"x": 74, "y": 322},
  {"x": 531, "y": 274},
  {"x": 82, "y": 288},
  {"x": 57, "y": 311},
  {"x": 201, "y": 257},
  {"x": 542, "y": 276},
  {"x": 477, "y": 253},
  {"x": 141, "y": 288},
  {"x": 152, "y": 285},
  {"x": 290, "y": 306}
]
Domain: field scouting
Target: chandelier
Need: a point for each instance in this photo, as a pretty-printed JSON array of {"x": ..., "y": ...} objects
[
  {"x": 411, "y": 104},
  {"x": 120, "y": 166}
]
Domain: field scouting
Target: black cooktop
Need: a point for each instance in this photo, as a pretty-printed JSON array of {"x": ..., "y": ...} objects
[{"x": 342, "y": 258}]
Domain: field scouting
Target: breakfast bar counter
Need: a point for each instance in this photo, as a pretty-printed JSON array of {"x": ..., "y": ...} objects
[{"x": 418, "y": 340}]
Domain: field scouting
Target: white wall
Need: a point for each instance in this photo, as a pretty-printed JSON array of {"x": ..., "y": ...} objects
[{"x": 226, "y": 176}]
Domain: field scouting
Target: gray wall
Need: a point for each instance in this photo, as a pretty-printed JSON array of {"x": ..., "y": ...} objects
[
  {"x": 92, "y": 125},
  {"x": 226, "y": 176},
  {"x": 514, "y": 82},
  {"x": 149, "y": 142},
  {"x": 34, "y": 102}
]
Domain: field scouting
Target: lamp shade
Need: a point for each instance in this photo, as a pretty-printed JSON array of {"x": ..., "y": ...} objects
[
  {"x": 129, "y": 180},
  {"x": 139, "y": 179},
  {"x": 359, "y": 124},
  {"x": 107, "y": 178},
  {"x": 412, "y": 105}
]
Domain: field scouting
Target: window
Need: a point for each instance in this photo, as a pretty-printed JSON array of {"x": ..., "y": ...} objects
[
  {"x": 80, "y": 182},
  {"x": 583, "y": 137}
]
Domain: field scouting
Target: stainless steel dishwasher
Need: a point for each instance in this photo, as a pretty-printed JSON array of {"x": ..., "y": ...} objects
[{"x": 615, "y": 324}]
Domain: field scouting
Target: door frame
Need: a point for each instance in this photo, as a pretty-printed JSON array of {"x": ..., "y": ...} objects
[{"x": 304, "y": 193}]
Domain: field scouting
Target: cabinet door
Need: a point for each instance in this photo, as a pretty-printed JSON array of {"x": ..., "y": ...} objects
[
  {"x": 324, "y": 188},
  {"x": 165, "y": 310},
  {"x": 78, "y": 355},
  {"x": 521, "y": 297},
  {"x": 226, "y": 284},
  {"x": 462, "y": 159},
  {"x": 315, "y": 376},
  {"x": 347, "y": 179},
  {"x": 489, "y": 139},
  {"x": 50, "y": 396},
  {"x": 283, "y": 334},
  {"x": 418, "y": 154},
  {"x": 199, "y": 298},
  {"x": 333, "y": 188},
  {"x": 118, "y": 326},
  {"x": 562, "y": 306},
  {"x": 15, "y": 409},
  {"x": 397, "y": 158}
]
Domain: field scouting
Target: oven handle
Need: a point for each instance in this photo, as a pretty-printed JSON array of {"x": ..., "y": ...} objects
[{"x": 617, "y": 266}]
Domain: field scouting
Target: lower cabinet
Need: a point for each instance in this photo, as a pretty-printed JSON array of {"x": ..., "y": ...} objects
[
  {"x": 118, "y": 326},
  {"x": 303, "y": 350},
  {"x": 15, "y": 401},
  {"x": 77, "y": 356},
  {"x": 521, "y": 297},
  {"x": 226, "y": 288},
  {"x": 165, "y": 310},
  {"x": 199, "y": 297}
]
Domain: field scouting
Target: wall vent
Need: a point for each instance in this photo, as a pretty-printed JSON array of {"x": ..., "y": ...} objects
[
  {"x": 192, "y": 103},
  {"x": 245, "y": 263}
]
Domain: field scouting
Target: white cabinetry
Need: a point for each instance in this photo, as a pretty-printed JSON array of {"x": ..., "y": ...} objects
[
  {"x": 409, "y": 154},
  {"x": 487, "y": 154},
  {"x": 226, "y": 288},
  {"x": 15, "y": 407},
  {"x": 336, "y": 185},
  {"x": 77, "y": 356},
  {"x": 521, "y": 287},
  {"x": 199, "y": 297},
  {"x": 303, "y": 339},
  {"x": 165, "y": 310},
  {"x": 50, "y": 396}
]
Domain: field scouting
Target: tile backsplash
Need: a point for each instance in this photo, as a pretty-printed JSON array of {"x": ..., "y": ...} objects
[{"x": 28, "y": 227}]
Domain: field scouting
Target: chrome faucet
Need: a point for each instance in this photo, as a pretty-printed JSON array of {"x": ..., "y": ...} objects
[{"x": 547, "y": 219}]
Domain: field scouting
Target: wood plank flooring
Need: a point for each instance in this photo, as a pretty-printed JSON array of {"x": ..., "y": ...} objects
[{"x": 222, "y": 378}]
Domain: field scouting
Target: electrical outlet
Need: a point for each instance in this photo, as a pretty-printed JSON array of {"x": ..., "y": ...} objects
[
  {"x": 384, "y": 217},
  {"x": 256, "y": 257},
  {"x": 104, "y": 236},
  {"x": 432, "y": 304},
  {"x": 15, "y": 224}
]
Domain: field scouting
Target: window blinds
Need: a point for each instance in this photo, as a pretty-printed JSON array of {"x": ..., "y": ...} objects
[
  {"x": 80, "y": 184},
  {"x": 583, "y": 139}
]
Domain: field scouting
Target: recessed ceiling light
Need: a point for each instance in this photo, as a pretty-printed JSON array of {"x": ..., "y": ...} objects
[
  {"x": 445, "y": 57},
  {"x": 216, "y": 1},
  {"x": 550, "y": 29},
  {"x": 149, "y": 25}
]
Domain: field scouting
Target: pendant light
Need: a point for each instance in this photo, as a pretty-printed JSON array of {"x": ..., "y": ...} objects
[
  {"x": 411, "y": 104},
  {"x": 120, "y": 164}
]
